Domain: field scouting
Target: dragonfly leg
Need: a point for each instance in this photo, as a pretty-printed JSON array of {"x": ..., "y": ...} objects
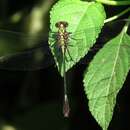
[{"x": 69, "y": 55}]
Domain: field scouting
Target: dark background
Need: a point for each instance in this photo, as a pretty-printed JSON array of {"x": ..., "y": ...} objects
[{"x": 32, "y": 100}]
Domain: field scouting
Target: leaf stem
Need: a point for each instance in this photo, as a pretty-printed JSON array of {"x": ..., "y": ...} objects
[
  {"x": 117, "y": 16},
  {"x": 114, "y": 3}
]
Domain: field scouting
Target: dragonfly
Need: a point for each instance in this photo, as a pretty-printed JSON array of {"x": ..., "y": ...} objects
[
  {"x": 19, "y": 51},
  {"x": 63, "y": 39}
]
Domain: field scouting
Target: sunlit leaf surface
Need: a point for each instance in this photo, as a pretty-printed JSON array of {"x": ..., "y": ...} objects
[
  {"x": 85, "y": 20},
  {"x": 105, "y": 77}
]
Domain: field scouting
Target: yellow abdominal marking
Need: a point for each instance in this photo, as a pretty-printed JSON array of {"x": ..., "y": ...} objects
[{"x": 62, "y": 39}]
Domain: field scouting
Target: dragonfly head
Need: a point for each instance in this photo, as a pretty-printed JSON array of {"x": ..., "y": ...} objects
[{"x": 61, "y": 24}]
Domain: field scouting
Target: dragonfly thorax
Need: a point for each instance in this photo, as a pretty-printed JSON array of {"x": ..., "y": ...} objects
[
  {"x": 62, "y": 35},
  {"x": 61, "y": 25}
]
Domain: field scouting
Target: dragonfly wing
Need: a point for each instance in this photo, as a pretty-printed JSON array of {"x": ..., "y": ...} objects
[
  {"x": 109, "y": 31},
  {"x": 33, "y": 59},
  {"x": 23, "y": 52}
]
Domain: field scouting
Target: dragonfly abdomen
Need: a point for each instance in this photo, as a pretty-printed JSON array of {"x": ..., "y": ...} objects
[{"x": 62, "y": 41}]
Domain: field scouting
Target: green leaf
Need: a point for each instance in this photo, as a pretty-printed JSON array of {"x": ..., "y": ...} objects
[
  {"x": 105, "y": 77},
  {"x": 85, "y": 20}
]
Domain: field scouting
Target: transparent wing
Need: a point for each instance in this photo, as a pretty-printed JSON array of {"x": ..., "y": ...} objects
[
  {"x": 23, "y": 52},
  {"x": 109, "y": 31},
  {"x": 33, "y": 59}
]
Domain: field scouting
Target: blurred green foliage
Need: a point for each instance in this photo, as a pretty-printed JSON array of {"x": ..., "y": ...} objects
[{"x": 31, "y": 19}]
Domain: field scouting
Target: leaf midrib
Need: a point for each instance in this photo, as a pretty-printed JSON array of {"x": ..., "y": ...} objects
[
  {"x": 115, "y": 61},
  {"x": 114, "y": 66}
]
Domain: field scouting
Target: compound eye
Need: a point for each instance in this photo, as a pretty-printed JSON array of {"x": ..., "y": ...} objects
[
  {"x": 57, "y": 24},
  {"x": 61, "y": 23},
  {"x": 65, "y": 24}
]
